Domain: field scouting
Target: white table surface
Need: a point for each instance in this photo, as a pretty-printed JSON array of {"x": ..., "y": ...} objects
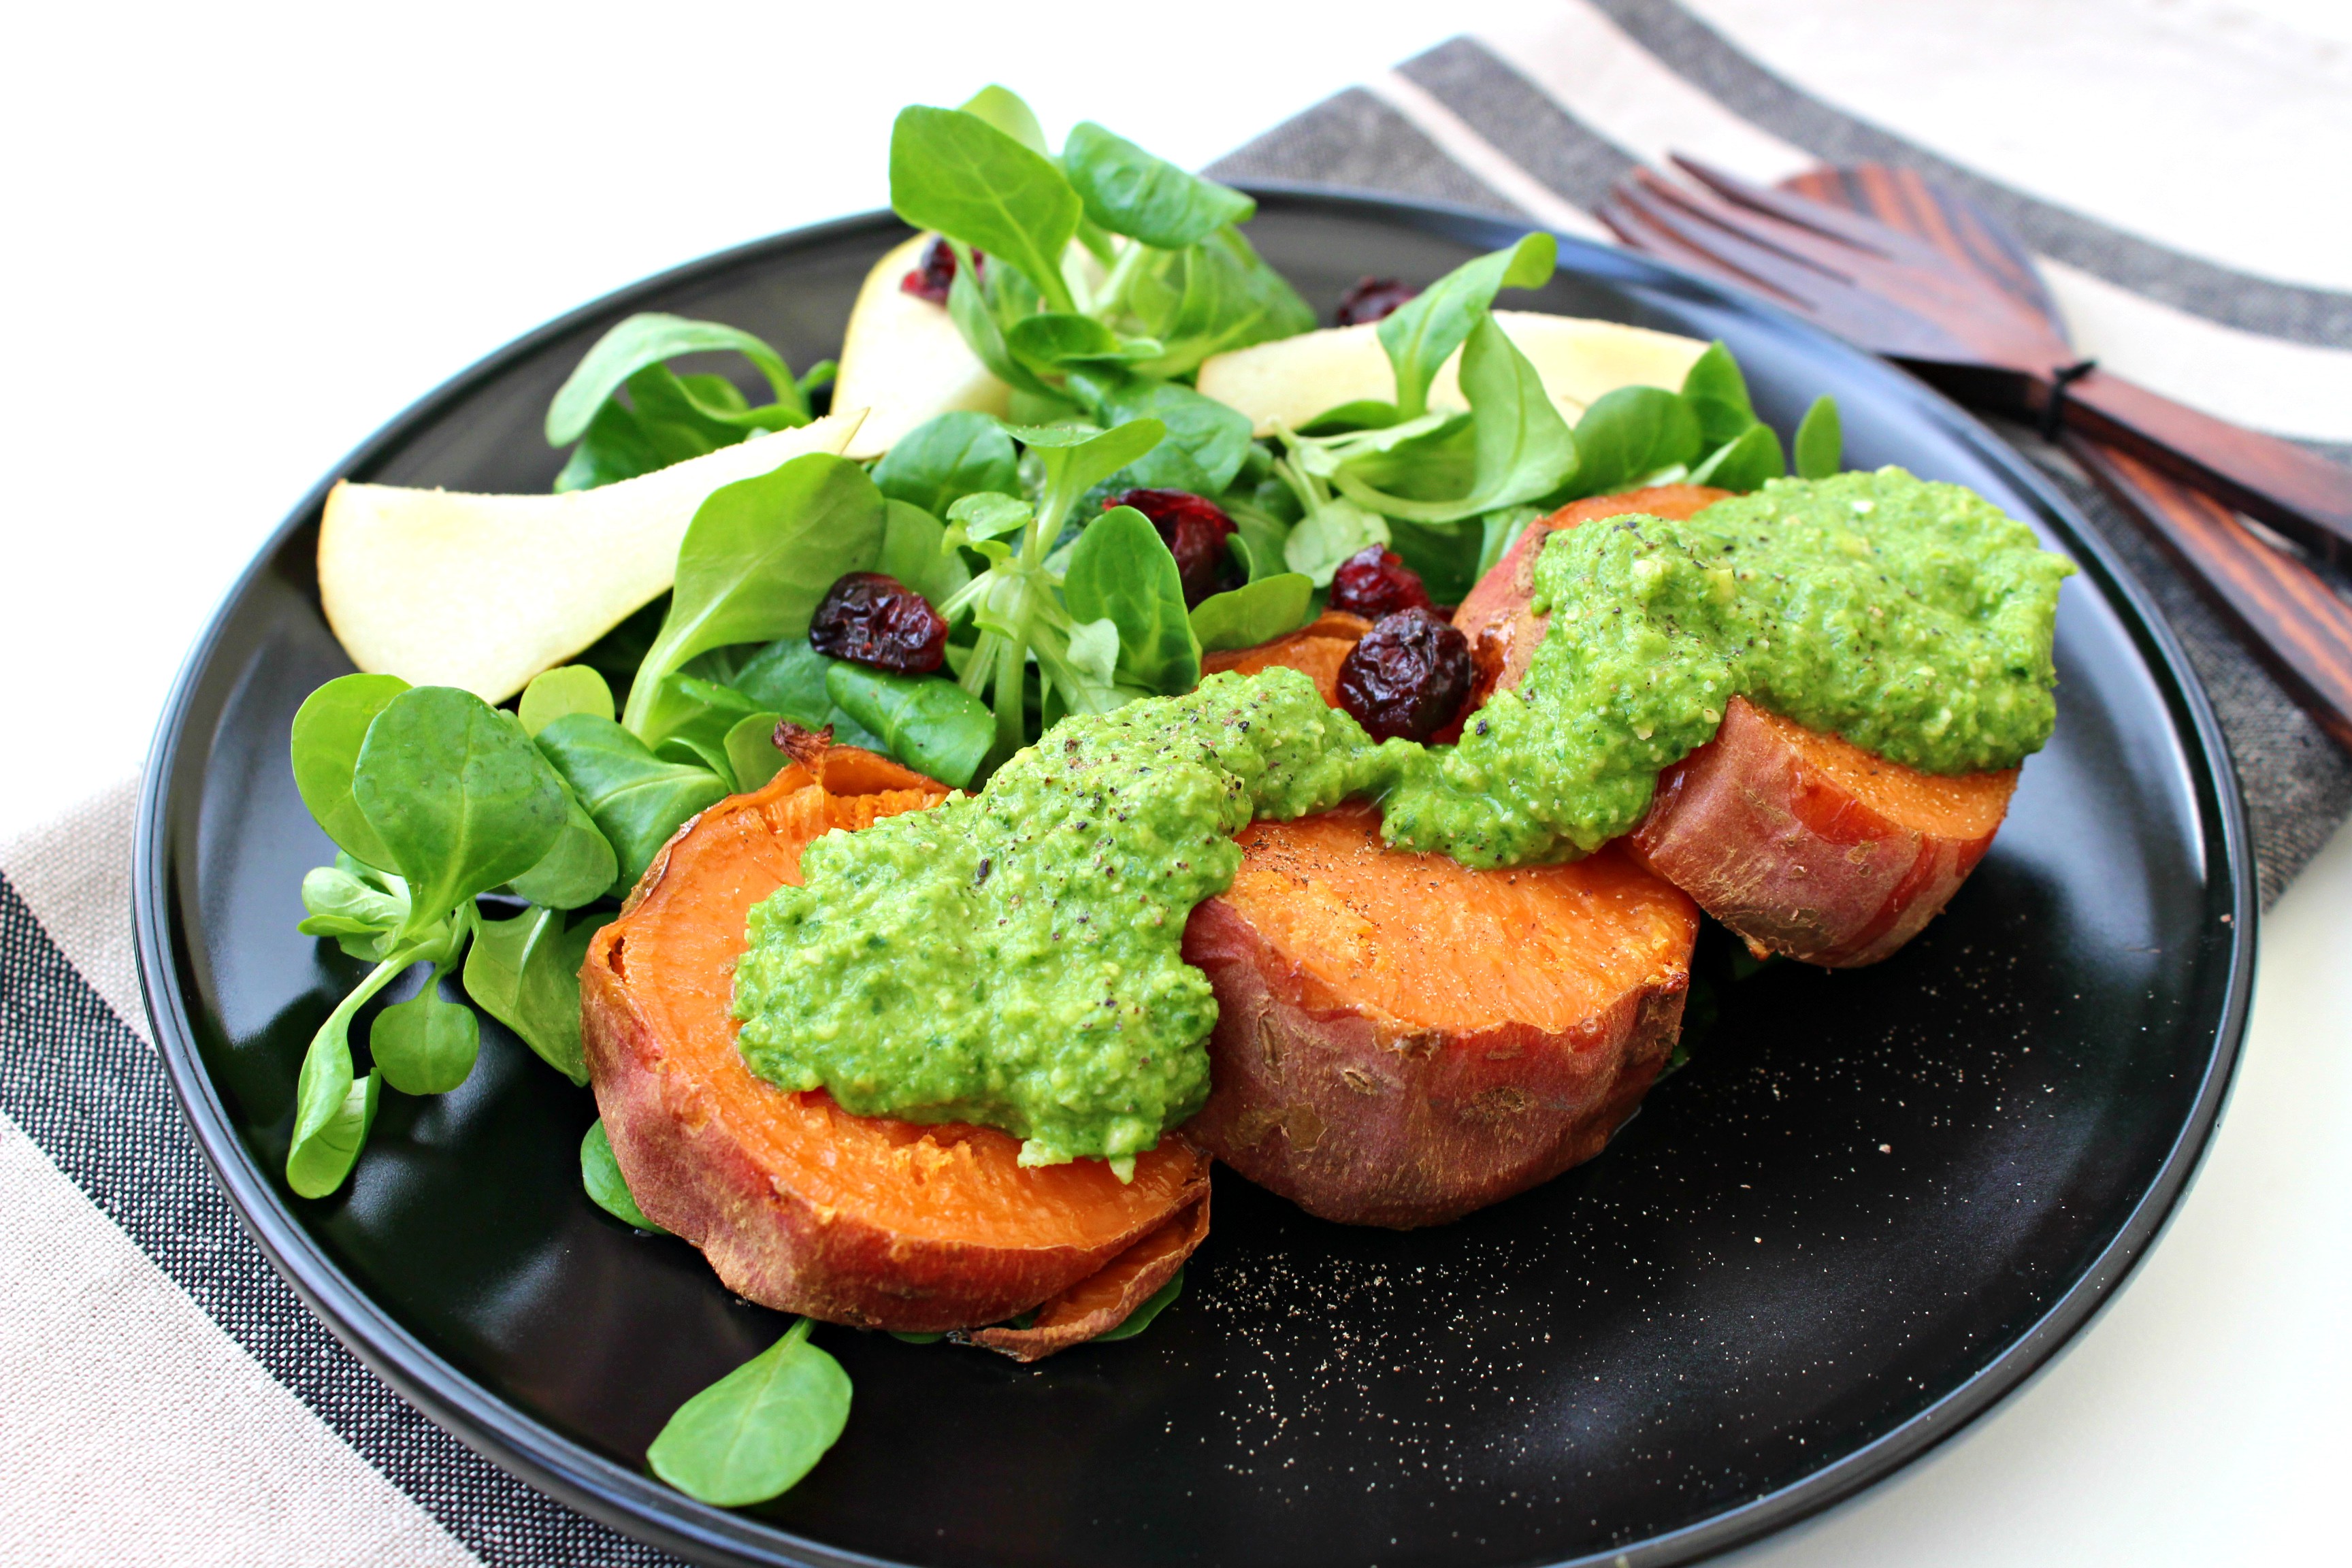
[{"x": 241, "y": 238}]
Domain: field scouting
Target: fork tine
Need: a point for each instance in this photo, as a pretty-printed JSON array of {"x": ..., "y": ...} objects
[
  {"x": 1740, "y": 228},
  {"x": 1828, "y": 271},
  {"x": 1937, "y": 286},
  {"x": 1822, "y": 183},
  {"x": 1729, "y": 239},
  {"x": 1638, "y": 233},
  {"x": 1853, "y": 264},
  {"x": 1837, "y": 224},
  {"x": 1681, "y": 216}
]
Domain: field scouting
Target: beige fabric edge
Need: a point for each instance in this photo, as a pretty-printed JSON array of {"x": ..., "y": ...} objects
[
  {"x": 74, "y": 873},
  {"x": 133, "y": 1430}
]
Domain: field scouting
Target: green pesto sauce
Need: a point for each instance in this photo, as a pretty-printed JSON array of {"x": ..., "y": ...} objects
[
  {"x": 1012, "y": 957},
  {"x": 1913, "y": 619}
]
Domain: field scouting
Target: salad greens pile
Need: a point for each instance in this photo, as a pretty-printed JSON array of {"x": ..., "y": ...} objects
[
  {"x": 491, "y": 845},
  {"x": 1104, "y": 277}
]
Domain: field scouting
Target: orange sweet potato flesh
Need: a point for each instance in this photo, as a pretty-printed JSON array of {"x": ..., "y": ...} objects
[
  {"x": 1401, "y": 1039},
  {"x": 1802, "y": 843},
  {"x": 799, "y": 1205},
  {"x": 1808, "y": 846},
  {"x": 1316, "y": 650}
]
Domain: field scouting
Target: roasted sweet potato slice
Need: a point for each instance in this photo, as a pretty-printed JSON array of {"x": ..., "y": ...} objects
[
  {"x": 1808, "y": 846},
  {"x": 1316, "y": 650},
  {"x": 1497, "y": 614},
  {"x": 799, "y": 1205},
  {"x": 1802, "y": 843},
  {"x": 1401, "y": 1039}
]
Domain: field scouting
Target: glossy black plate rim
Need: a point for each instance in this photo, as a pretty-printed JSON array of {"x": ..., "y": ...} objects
[{"x": 637, "y": 1504}]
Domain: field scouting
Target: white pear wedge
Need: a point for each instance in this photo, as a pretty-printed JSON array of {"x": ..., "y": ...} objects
[
  {"x": 1292, "y": 380},
  {"x": 483, "y": 592},
  {"x": 903, "y": 361}
]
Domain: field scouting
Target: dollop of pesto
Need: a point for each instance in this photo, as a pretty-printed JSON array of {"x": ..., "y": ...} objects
[
  {"x": 1913, "y": 619},
  {"x": 1012, "y": 958}
]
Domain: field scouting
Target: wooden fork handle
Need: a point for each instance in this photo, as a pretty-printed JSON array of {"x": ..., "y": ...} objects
[
  {"x": 2284, "y": 614},
  {"x": 2301, "y": 494}
]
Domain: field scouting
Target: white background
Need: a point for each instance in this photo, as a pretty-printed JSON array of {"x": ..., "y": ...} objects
[{"x": 239, "y": 238}]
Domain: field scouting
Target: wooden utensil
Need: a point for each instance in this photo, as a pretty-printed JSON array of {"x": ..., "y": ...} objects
[
  {"x": 1947, "y": 266},
  {"x": 2284, "y": 614},
  {"x": 1951, "y": 293}
]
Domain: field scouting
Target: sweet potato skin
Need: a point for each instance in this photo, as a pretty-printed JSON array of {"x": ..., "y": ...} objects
[
  {"x": 1362, "y": 1118},
  {"x": 1498, "y": 616},
  {"x": 687, "y": 1126},
  {"x": 1777, "y": 835},
  {"x": 1101, "y": 1301}
]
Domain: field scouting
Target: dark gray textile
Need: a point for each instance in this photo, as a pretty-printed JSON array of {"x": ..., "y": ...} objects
[
  {"x": 2298, "y": 783},
  {"x": 1357, "y": 142}
]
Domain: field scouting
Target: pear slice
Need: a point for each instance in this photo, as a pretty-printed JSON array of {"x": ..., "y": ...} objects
[
  {"x": 442, "y": 588},
  {"x": 1292, "y": 380},
  {"x": 903, "y": 361}
]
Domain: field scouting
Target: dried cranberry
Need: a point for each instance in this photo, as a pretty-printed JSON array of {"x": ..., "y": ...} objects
[
  {"x": 1371, "y": 298},
  {"x": 935, "y": 272},
  {"x": 1409, "y": 675},
  {"x": 1195, "y": 531},
  {"x": 1374, "y": 581},
  {"x": 874, "y": 619}
]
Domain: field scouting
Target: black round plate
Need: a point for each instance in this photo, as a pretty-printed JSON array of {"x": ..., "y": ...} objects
[{"x": 1874, "y": 1203}]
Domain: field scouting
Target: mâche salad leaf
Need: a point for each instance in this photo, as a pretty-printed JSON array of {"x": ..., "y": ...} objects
[
  {"x": 452, "y": 799},
  {"x": 1633, "y": 432},
  {"x": 1205, "y": 300},
  {"x": 567, "y": 689},
  {"x": 946, "y": 458},
  {"x": 756, "y": 559},
  {"x": 601, "y": 1179},
  {"x": 1128, "y": 191},
  {"x": 525, "y": 973},
  {"x": 1421, "y": 335},
  {"x": 754, "y": 1434},
  {"x": 428, "y": 1044},
  {"x": 1120, "y": 571},
  {"x": 651, "y": 338},
  {"x": 1521, "y": 447},
  {"x": 457, "y": 796},
  {"x": 1255, "y": 613},
  {"x": 636, "y": 798},
  {"x": 328, "y": 729},
  {"x": 934, "y": 727},
  {"x": 669, "y": 417},
  {"x": 1818, "y": 448},
  {"x": 954, "y": 172}
]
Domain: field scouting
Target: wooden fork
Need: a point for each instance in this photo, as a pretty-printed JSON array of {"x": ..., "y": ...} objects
[
  {"x": 1886, "y": 259},
  {"x": 1957, "y": 297}
]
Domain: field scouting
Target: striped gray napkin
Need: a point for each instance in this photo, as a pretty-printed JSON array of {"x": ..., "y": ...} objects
[{"x": 170, "y": 1398}]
